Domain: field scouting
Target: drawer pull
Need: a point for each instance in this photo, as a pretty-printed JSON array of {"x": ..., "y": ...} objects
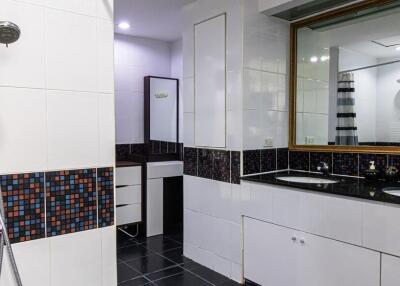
[
  {"x": 122, "y": 205},
  {"x": 122, "y": 186}
]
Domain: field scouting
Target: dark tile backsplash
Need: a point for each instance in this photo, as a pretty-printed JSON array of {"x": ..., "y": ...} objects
[
  {"x": 222, "y": 165},
  {"x": 317, "y": 157},
  {"x": 219, "y": 165},
  {"x": 379, "y": 159},
  {"x": 190, "y": 161},
  {"x": 282, "y": 160},
  {"x": 205, "y": 163},
  {"x": 345, "y": 164},
  {"x": 299, "y": 161},
  {"x": 268, "y": 160},
  {"x": 135, "y": 151},
  {"x": 251, "y": 161},
  {"x": 235, "y": 167}
]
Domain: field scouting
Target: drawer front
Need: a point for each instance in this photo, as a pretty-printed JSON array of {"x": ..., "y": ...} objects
[
  {"x": 129, "y": 195},
  {"x": 126, "y": 176},
  {"x": 129, "y": 214}
]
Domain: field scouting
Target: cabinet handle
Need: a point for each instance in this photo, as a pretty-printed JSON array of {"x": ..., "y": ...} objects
[
  {"x": 302, "y": 241},
  {"x": 294, "y": 239}
]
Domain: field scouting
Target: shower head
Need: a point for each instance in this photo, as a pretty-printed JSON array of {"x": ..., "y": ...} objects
[{"x": 9, "y": 32}]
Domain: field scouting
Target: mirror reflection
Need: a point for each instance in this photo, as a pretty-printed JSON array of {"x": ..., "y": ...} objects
[{"x": 348, "y": 79}]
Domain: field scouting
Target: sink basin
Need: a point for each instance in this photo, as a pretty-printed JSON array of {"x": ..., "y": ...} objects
[
  {"x": 308, "y": 180},
  {"x": 392, "y": 191}
]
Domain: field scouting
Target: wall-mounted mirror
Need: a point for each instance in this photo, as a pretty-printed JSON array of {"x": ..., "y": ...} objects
[
  {"x": 161, "y": 130},
  {"x": 345, "y": 79}
]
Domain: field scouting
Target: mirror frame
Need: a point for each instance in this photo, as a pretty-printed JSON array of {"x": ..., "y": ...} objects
[{"x": 294, "y": 27}]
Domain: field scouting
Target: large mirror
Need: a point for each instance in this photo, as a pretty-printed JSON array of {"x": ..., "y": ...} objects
[{"x": 345, "y": 79}]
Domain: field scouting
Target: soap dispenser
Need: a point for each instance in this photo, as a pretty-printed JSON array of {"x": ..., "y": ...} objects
[{"x": 372, "y": 174}]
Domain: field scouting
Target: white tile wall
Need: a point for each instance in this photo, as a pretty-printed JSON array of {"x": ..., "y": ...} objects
[
  {"x": 265, "y": 92},
  {"x": 70, "y": 51},
  {"x": 73, "y": 141},
  {"x": 22, "y": 130},
  {"x": 57, "y": 99},
  {"x": 65, "y": 52}
]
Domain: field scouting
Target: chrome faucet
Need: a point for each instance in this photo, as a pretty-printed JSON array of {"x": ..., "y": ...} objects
[{"x": 323, "y": 168}]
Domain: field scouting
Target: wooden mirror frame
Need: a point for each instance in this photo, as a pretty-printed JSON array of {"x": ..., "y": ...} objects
[{"x": 294, "y": 27}]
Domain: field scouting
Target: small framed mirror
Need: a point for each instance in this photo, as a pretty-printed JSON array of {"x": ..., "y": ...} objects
[
  {"x": 161, "y": 118},
  {"x": 345, "y": 80}
]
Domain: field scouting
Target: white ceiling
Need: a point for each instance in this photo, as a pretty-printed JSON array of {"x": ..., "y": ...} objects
[{"x": 155, "y": 19}]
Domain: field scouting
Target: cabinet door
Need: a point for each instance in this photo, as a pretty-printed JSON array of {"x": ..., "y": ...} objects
[
  {"x": 270, "y": 254},
  {"x": 390, "y": 270},
  {"x": 331, "y": 263}
]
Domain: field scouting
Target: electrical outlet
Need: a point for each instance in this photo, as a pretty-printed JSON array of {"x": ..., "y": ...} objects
[{"x": 269, "y": 142}]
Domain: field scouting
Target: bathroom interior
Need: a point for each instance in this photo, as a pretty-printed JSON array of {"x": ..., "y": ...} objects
[{"x": 199, "y": 142}]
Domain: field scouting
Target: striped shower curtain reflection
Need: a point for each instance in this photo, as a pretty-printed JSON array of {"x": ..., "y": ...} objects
[{"x": 346, "y": 127}]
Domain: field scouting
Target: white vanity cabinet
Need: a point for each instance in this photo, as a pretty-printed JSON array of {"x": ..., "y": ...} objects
[
  {"x": 280, "y": 256},
  {"x": 390, "y": 270},
  {"x": 129, "y": 194}
]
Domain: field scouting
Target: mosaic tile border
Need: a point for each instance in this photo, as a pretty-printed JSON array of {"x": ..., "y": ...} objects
[
  {"x": 23, "y": 200},
  {"x": 45, "y": 204}
]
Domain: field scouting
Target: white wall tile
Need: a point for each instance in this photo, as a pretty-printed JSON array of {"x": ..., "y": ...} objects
[
  {"x": 73, "y": 141},
  {"x": 188, "y": 94},
  {"x": 188, "y": 129},
  {"x": 105, "y": 59},
  {"x": 33, "y": 261},
  {"x": 23, "y": 63},
  {"x": 70, "y": 51},
  {"x": 76, "y": 259},
  {"x": 106, "y": 119},
  {"x": 85, "y": 7},
  {"x": 105, "y": 9},
  {"x": 109, "y": 256},
  {"x": 129, "y": 117},
  {"x": 22, "y": 130}
]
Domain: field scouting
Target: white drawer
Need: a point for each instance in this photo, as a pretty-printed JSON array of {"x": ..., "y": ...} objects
[
  {"x": 129, "y": 195},
  {"x": 129, "y": 214},
  {"x": 126, "y": 176}
]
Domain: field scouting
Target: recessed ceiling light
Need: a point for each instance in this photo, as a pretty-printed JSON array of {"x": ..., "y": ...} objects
[
  {"x": 398, "y": 48},
  {"x": 324, "y": 58},
  {"x": 124, "y": 25},
  {"x": 314, "y": 59}
]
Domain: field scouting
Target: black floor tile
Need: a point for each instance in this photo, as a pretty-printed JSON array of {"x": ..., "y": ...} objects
[
  {"x": 183, "y": 279},
  {"x": 230, "y": 283},
  {"x": 132, "y": 252},
  {"x": 165, "y": 273},
  {"x": 176, "y": 255},
  {"x": 150, "y": 263},
  {"x": 178, "y": 237},
  {"x": 126, "y": 273},
  {"x": 160, "y": 244},
  {"x": 136, "y": 282},
  {"x": 210, "y": 275},
  {"x": 190, "y": 264}
]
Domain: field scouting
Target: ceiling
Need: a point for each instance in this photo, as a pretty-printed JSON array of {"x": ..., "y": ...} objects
[{"x": 155, "y": 19}]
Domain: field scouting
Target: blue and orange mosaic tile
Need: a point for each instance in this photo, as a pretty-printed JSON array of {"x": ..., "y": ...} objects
[
  {"x": 105, "y": 195},
  {"x": 71, "y": 201},
  {"x": 23, "y": 200}
]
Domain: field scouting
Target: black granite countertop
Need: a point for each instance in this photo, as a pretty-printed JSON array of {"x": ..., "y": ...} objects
[
  {"x": 120, "y": 164},
  {"x": 346, "y": 186}
]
